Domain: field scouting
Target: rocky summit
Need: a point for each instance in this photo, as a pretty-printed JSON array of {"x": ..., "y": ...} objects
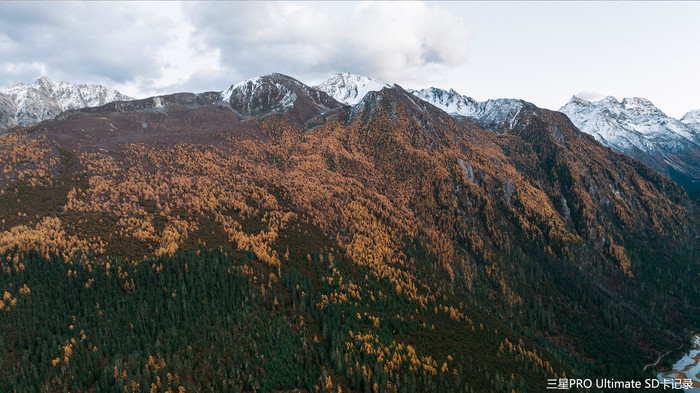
[{"x": 27, "y": 104}]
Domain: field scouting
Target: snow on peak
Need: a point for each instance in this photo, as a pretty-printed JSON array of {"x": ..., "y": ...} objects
[
  {"x": 273, "y": 93},
  {"x": 692, "y": 119},
  {"x": 629, "y": 124},
  {"x": 350, "y": 88},
  {"x": 496, "y": 115},
  {"x": 267, "y": 93},
  {"x": 226, "y": 94},
  {"x": 46, "y": 83},
  {"x": 641, "y": 106},
  {"x": 500, "y": 114},
  {"x": 449, "y": 101},
  {"x": 260, "y": 83},
  {"x": 608, "y": 100},
  {"x": 45, "y": 99},
  {"x": 579, "y": 100}
]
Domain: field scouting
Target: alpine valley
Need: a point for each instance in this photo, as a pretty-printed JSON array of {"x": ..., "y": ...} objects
[{"x": 349, "y": 237}]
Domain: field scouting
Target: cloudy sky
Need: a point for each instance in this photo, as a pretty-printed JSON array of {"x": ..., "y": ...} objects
[{"x": 543, "y": 52}]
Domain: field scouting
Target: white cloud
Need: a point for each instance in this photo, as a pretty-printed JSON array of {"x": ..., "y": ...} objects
[
  {"x": 144, "y": 48},
  {"x": 541, "y": 52},
  {"x": 385, "y": 40},
  {"x": 395, "y": 38},
  {"x": 147, "y": 48},
  {"x": 20, "y": 70}
]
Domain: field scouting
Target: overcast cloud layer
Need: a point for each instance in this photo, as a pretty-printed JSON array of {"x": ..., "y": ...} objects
[
  {"x": 541, "y": 52},
  {"x": 148, "y": 48}
]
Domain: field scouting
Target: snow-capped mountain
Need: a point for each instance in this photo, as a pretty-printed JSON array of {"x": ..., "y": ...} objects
[
  {"x": 350, "y": 88},
  {"x": 449, "y": 101},
  {"x": 632, "y": 122},
  {"x": 247, "y": 95},
  {"x": 495, "y": 115},
  {"x": 692, "y": 119},
  {"x": 634, "y": 126},
  {"x": 501, "y": 114},
  {"x": 275, "y": 93},
  {"x": 27, "y": 104}
]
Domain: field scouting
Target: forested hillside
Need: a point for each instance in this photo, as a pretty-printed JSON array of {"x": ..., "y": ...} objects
[{"x": 182, "y": 244}]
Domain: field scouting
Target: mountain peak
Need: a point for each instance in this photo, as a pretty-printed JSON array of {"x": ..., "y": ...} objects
[
  {"x": 576, "y": 100},
  {"x": 449, "y": 101},
  {"x": 692, "y": 117},
  {"x": 276, "y": 93},
  {"x": 641, "y": 106},
  {"x": 635, "y": 104},
  {"x": 45, "y": 99},
  {"x": 637, "y": 115},
  {"x": 636, "y": 127},
  {"x": 44, "y": 80},
  {"x": 498, "y": 115},
  {"x": 379, "y": 108},
  {"x": 257, "y": 82},
  {"x": 692, "y": 120},
  {"x": 350, "y": 88}
]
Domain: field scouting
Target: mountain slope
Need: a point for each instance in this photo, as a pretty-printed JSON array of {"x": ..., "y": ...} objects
[
  {"x": 634, "y": 126},
  {"x": 391, "y": 245},
  {"x": 25, "y": 105},
  {"x": 637, "y": 128},
  {"x": 8, "y": 111},
  {"x": 495, "y": 115}
]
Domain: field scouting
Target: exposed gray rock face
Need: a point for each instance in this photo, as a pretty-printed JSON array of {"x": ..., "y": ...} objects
[
  {"x": 8, "y": 109},
  {"x": 277, "y": 93},
  {"x": 28, "y": 104}
]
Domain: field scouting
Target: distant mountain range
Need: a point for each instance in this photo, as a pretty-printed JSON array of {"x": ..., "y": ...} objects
[
  {"x": 634, "y": 126},
  {"x": 28, "y": 104}
]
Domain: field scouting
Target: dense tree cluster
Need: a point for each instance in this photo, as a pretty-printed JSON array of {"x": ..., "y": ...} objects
[{"x": 27, "y": 159}]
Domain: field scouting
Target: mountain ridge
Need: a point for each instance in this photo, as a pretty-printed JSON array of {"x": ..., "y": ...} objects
[
  {"x": 27, "y": 104},
  {"x": 277, "y": 93},
  {"x": 633, "y": 126},
  {"x": 350, "y": 88}
]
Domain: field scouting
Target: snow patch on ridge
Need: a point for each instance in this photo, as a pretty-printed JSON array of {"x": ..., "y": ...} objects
[
  {"x": 692, "y": 119},
  {"x": 350, "y": 88}
]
